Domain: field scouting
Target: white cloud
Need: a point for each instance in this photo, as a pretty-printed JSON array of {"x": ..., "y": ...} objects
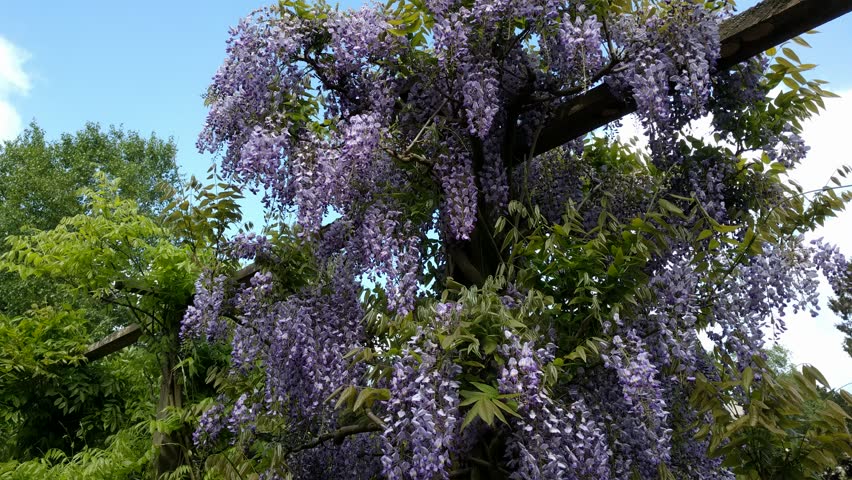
[
  {"x": 10, "y": 121},
  {"x": 13, "y": 81},
  {"x": 810, "y": 340}
]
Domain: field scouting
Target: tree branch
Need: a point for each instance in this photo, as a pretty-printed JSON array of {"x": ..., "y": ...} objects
[
  {"x": 338, "y": 436},
  {"x": 378, "y": 421}
]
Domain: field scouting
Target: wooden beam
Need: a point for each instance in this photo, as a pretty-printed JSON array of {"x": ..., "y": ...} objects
[
  {"x": 114, "y": 342},
  {"x": 773, "y": 22},
  {"x": 244, "y": 274},
  {"x": 130, "y": 334},
  {"x": 743, "y": 36}
]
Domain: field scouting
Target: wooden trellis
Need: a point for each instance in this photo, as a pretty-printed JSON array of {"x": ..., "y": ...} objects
[
  {"x": 743, "y": 36},
  {"x": 114, "y": 342}
]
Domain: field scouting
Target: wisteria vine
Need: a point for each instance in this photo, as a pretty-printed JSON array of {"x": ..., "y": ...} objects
[{"x": 398, "y": 136}]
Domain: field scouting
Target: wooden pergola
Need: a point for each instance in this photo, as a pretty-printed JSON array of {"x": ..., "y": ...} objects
[{"x": 767, "y": 24}]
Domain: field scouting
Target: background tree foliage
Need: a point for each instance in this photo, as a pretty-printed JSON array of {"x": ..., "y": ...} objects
[
  {"x": 841, "y": 304},
  {"x": 144, "y": 267},
  {"x": 54, "y": 400},
  {"x": 40, "y": 182}
]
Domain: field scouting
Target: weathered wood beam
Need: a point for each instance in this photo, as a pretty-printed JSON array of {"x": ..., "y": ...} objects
[
  {"x": 114, "y": 342},
  {"x": 244, "y": 274},
  {"x": 743, "y": 36},
  {"x": 772, "y": 22},
  {"x": 130, "y": 334}
]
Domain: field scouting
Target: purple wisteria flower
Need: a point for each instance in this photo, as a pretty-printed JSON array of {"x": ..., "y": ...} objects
[
  {"x": 549, "y": 440},
  {"x": 210, "y": 425},
  {"x": 422, "y": 421},
  {"x": 250, "y": 246},
  {"x": 203, "y": 317},
  {"x": 397, "y": 135}
]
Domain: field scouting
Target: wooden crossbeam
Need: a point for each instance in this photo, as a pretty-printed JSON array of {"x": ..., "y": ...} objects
[
  {"x": 114, "y": 342},
  {"x": 743, "y": 36},
  {"x": 244, "y": 274},
  {"x": 130, "y": 334}
]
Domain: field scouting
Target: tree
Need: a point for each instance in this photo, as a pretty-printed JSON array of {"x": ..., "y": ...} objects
[
  {"x": 145, "y": 268},
  {"x": 51, "y": 399},
  {"x": 40, "y": 181},
  {"x": 778, "y": 452},
  {"x": 90, "y": 252},
  {"x": 55, "y": 400},
  {"x": 68, "y": 404},
  {"x": 531, "y": 317}
]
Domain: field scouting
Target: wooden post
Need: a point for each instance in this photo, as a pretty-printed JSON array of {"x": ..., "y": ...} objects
[{"x": 172, "y": 447}]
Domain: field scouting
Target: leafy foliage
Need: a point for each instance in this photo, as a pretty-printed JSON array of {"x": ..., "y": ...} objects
[
  {"x": 842, "y": 306},
  {"x": 785, "y": 428},
  {"x": 52, "y": 399},
  {"x": 113, "y": 254},
  {"x": 127, "y": 454},
  {"x": 40, "y": 182}
]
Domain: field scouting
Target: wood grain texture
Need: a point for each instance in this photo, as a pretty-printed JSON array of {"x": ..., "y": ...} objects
[{"x": 114, "y": 342}]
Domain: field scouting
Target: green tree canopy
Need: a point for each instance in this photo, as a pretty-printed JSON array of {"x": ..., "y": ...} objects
[
  {"x": 40, "y": 182},
  {"x": 40, "y": 179}
]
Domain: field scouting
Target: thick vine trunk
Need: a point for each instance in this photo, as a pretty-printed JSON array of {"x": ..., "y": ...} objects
[
  {"x": 171, "y": 446},
  {"x": 470, "y": 263}
]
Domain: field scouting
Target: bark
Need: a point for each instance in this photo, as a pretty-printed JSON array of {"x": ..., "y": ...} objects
[{"x": 172, "y": 447}]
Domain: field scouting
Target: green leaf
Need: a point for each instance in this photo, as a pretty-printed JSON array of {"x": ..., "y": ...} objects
[
  {"x": 811, "y": 372},
  {"x": 801, "y": 41},
  {"x": 748, "y": 377},
  {"x": 670, "y": 207},
  {"x": 789, "y": 82},
  {"x": 791, "y": 54},
  {"x": 486, "y": 389},
  {"x": 471, "y": 415}
]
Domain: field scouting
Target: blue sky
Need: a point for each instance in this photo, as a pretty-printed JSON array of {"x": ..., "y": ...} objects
[{"x": 145, "y": 65}]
